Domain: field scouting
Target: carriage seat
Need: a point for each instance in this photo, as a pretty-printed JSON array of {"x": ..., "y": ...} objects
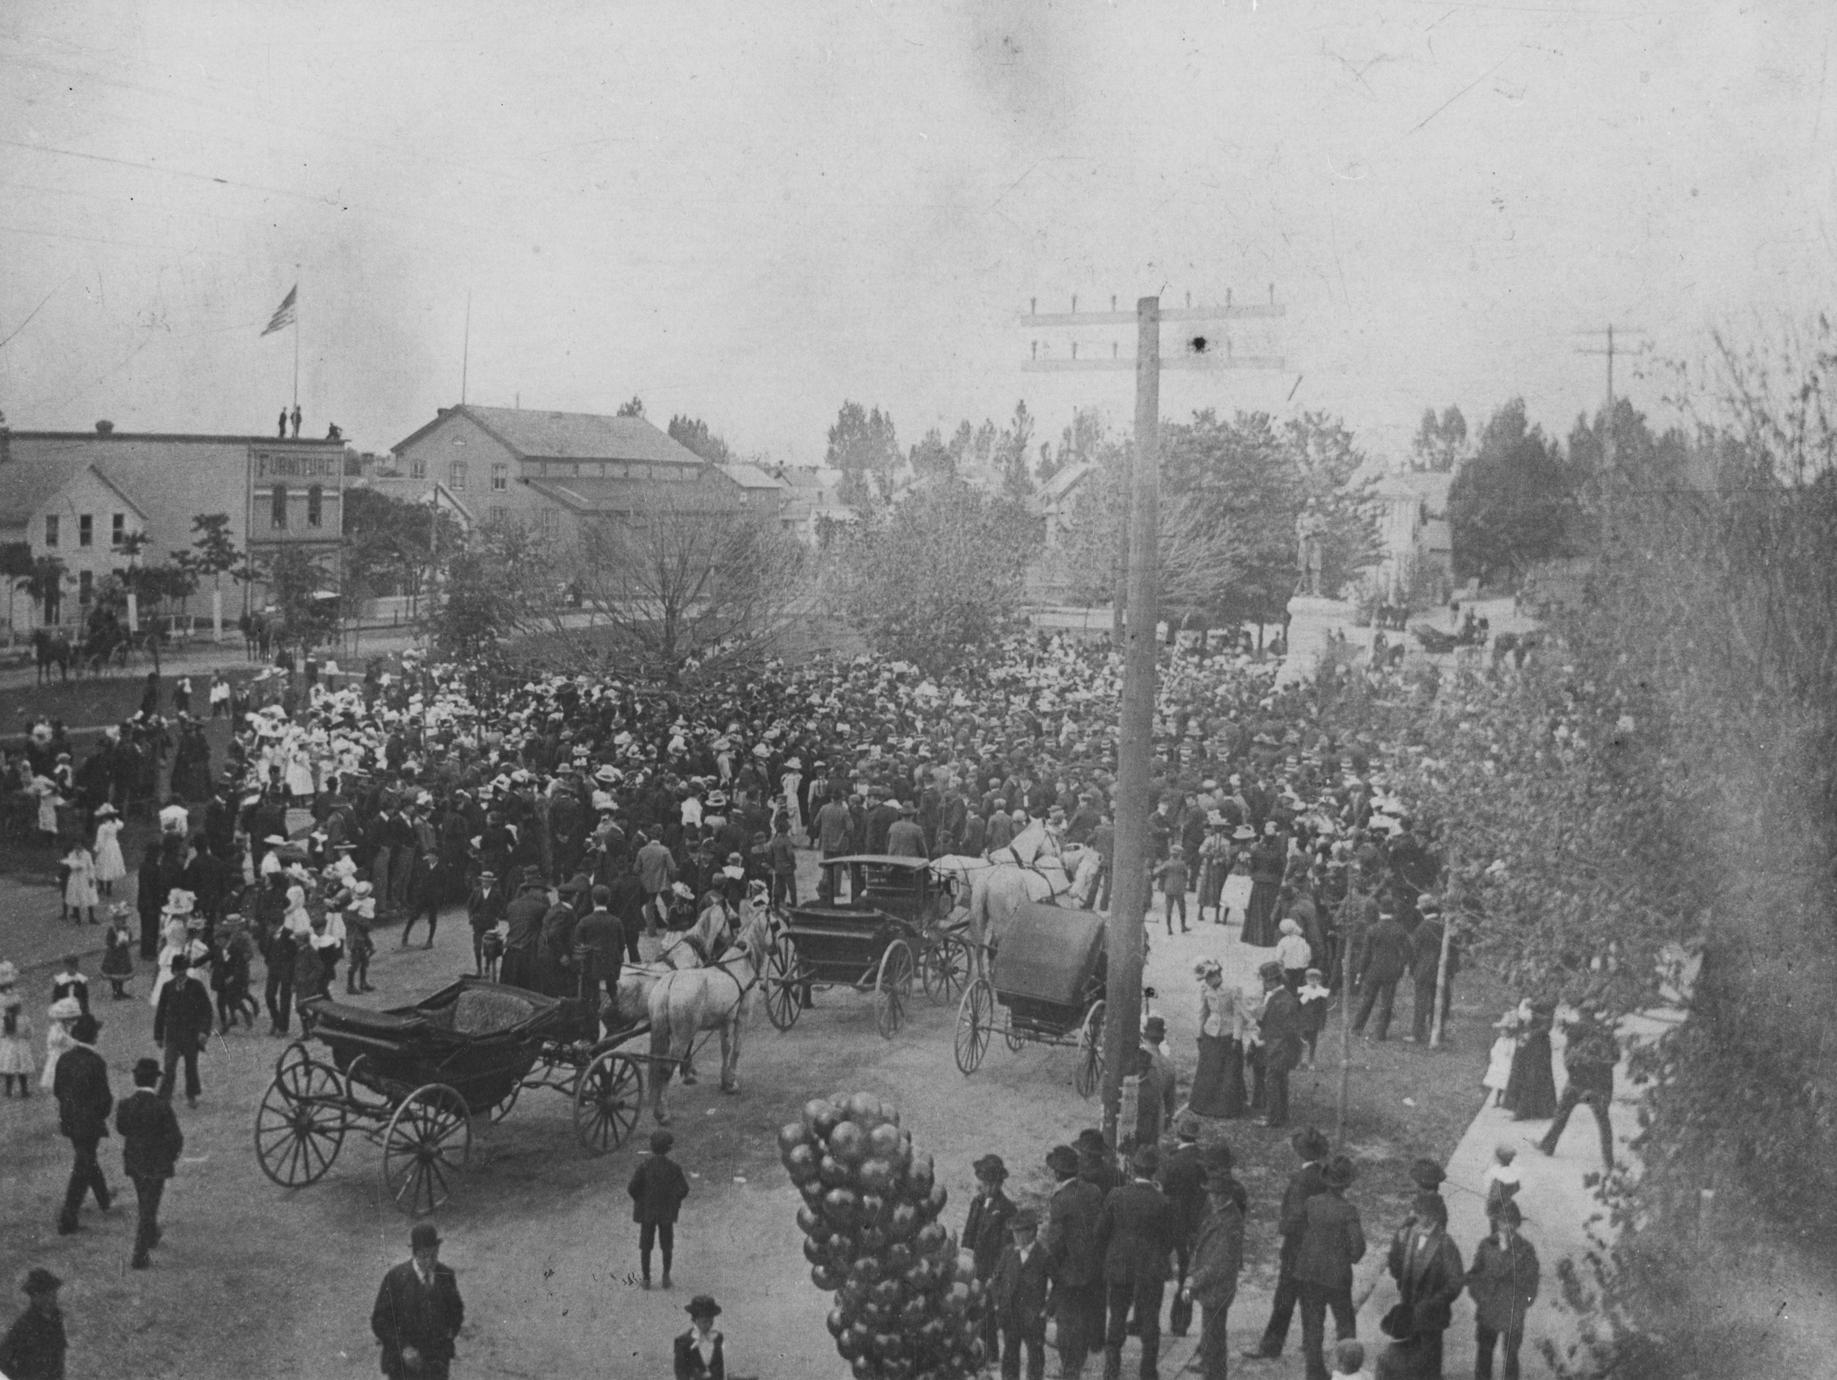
[
  {"x": 361, "y": 1020},
  {"x": 482, "y": 1011}
]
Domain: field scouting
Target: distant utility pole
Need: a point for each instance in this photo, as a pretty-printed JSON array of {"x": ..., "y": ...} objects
[
  {"x": 1609, "y": 476},
  {"x": 1138, "y": 587}
]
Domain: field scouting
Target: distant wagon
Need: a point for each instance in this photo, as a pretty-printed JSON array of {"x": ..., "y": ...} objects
[{"x": 1045, "y": 987}]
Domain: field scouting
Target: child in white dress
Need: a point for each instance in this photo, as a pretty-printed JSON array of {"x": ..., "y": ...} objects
[
  {"x": 1499, "y": 1061},
  {"x": 80, "y": 890},
  {"x": 111, "y": 867},
  {"x": 16, "y": 1059}
]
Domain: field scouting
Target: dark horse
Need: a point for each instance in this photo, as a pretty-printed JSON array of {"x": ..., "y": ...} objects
[{"x": 51, "y": 649}]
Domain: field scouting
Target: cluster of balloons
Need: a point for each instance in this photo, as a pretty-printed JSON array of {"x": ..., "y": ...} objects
[{"x": 908, "y": 1305}]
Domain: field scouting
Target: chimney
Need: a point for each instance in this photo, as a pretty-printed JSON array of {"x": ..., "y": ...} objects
[{"x": 105, "y": 428}]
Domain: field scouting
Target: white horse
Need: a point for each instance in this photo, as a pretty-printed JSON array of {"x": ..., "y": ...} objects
[
  {"x": 682, "y": 1002},
  {"x": 1034, "y": 866}
]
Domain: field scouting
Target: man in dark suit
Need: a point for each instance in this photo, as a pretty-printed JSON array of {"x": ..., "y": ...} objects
[
  {"x": 1303, "y": 1184},
  {"x": 1385, "y": 959},
  {"x": 1183, "y": 1180},
  {"x": 418, "y": 1312},
  {"x": 151, "y": 1145},
  {"x": 181, "y": 1026},
  {"x": 1076, "y": 1266},
  {"x": 1332, "y": 1242},
  {"x": 484, "y": 908},
  {"x": 1018, "y": 1291},
  {"x": 1430, "y": 1277},
  {"x": 985, "y": 1234},
  {"x": 1278, "y": 1047},
  {"x": 1218, "y": 1257},
  {"x": 84, "y": 1101},
  {"x": 1589, "y": 1060},
  {"x": 1135, "y": 1235}
]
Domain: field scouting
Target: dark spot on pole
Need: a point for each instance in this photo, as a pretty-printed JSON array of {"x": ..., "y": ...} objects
[{"x": 1198, "y": 344}]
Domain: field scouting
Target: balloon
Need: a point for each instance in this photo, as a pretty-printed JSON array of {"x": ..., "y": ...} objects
[
  {"x": 812, "y": 1225},
  {"x": 866, "y": 1368},
  {"x": 791, "y": 1135},
  {"x": 848, "y": 1142},
  {"x": 977, "y": 1350},
  {"x": 930, "y": 1239},
  {"x": 853, "y": 1292},
  {"x": 876, "y": 1175},
  {"x": 873, "y": 1208},
  {"x": 915, "y": 1311},
  {"x": 842, "y": 1207},
  {"x": 801, "y": 1163},
  {"x": 888, "y": 1293},
  {"x": 863, "y": 1108},
  {"x": 898, "y": 1256},
  {"x": 816, "y": 1252},
  {"x": 813, "y": 1192},
  {"x": 848, "y": 1346},
  {"x": 837, "y": 1322},
  {"x": 821, "y": 1116},
  {"x": 902, "y": 1222},
  {"x": 940, "y": 1195},
  {"x": 871, "y": 1240},
  {"x": 866, "y": 1268},
  {"x": 883, "y": 1142},
  {"x": 825, "y": 1277},
  {"x": 920, "y": 1176},
  {"x": 840, "y": 1250}
]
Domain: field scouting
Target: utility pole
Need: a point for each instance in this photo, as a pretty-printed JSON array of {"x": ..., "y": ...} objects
[
  {"x": 1609, "y": 472},
  {"x": 1135, "y": 740}
]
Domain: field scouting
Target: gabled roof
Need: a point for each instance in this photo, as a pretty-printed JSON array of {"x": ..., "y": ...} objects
[
  {"x": 119, "y": 492},
  {"x": 1062, "y": 483},
  {"x": 750, "y": 476},
  {"x": 530, "y": 434},
  {"x": 26, "y": 485}
]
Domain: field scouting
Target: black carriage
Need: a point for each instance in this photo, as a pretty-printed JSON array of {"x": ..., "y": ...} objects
[
  {"x": 1045, "y": 987},
  {"x": 412, "y": 1078},
  {"x": 901, "y": 923}
]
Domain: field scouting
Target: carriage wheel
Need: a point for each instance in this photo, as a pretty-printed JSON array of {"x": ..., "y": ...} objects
[
  {"x": 1009, "y": 1033},
  {"x": 300, "y": 1124},
  {"x": 784, "y": 998},
  {"x": 893, "y": 988},
  {"x": 944, "y": 969},
  {"x": 426, "y": 1145},
  {"x": 975, "y": 1022},
  {"x": 501, "y": 1108},
  {"x": 608, "y": 1096},
  {"x": 295, "y": 1053},
  {"x": 363, "y": 1088},
  {"x": 1089, "y": 1076}
]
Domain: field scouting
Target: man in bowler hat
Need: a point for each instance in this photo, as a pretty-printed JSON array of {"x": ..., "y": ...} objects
[
  {"x": 418, "y": 1312},
  {"x": 34, "y": 1346}
]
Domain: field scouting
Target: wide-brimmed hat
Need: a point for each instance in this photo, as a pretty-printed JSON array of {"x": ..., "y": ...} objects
[
  {"x": 1270, "y": 971},
  {"x": 1310, "y": 1143},
  {"x": 1243, "y": 834},
  {"x": 107, "y": 811},
  {"x": 423, "y": 1236},
  {"x": 1426, "y": 1174},
  {"x": 990, "y": 1167},
  {"x": 1062, "y": 1159},
  {"x": 1339, "y": 1173},
  {"x": 702, "y": 1306}
]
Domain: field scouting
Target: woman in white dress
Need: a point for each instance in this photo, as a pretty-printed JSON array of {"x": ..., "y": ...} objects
[{"x": 111, "y": 867}]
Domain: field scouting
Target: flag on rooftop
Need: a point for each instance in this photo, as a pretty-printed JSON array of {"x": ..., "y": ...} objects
[{"x": 283, "y": 314}]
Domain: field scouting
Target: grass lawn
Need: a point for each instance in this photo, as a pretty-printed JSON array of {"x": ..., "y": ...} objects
[{"x": 95, "y": 701}]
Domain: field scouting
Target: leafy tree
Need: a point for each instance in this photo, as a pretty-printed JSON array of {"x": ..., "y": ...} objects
[
  {"x": 1441, "y": 442},
  {"x": 931, "y": 458},
  {"x": 43, "y": 584},
  {"x": 213, "y": 551},
  {"x": 693, "y": 433},
  {"x": 1012, "y": 452},
  {"x": 863, "y": 446},
  {"x": 634, "y": 408},
  {"x": 392, "y": 544},
  {"x": 495, "y": 583},
  {"x": 940, "y": 573},
  {"x": 1513, "y": 502},
  {"x": 297, "y": 585}
]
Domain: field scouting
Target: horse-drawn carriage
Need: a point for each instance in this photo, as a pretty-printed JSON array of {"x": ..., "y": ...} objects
[
  {"x": 1045, "y": 987},
  {"x": 900, "y": 923},
  {"x": 411, "y": 1079}
]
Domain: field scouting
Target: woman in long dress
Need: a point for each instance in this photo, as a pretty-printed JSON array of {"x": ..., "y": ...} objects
[
  {"x": 1218, "y": 1081},
  {"x": 80, "y": 889},
  {"x": 1530, "y": 1090},
  {"x": 1267, "y": 861},
  {"x": 111, "y": 867}
]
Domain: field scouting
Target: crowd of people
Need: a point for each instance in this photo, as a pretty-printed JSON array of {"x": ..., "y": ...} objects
[{"x": 575, "y": 815}]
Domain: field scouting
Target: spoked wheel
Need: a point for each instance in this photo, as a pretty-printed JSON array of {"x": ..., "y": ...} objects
[
  {"x": 427, "y": 1144},
  {"x": 300, "y": 1124},
  {"x": 975, "y": 1023},
  {"x": 295, "y": 1053},
  {"x": 784, "y": 997},
  {"x": 363, "y": 1089},
  {"x": 944, "y": 969},
  {"x": 608, "y": 1097},
  {"x": 1009, "y": 1034},
  {"x": 1089, "y": 1075},
  {"x": 893, "y": 988}
]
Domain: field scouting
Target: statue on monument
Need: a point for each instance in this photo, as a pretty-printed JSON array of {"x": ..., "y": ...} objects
[{"x": 1310, "y": 528}]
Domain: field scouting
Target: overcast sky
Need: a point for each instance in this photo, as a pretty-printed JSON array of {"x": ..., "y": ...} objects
[{"x": 750, "y": 212}]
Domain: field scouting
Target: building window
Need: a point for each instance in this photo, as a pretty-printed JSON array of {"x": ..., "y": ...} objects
[
  {"x": 278, "y": 509},
  {"x": 417, "y": 467},
  {"x": 548, "y": 521},
  {"x": 118, "y": 528},
  {"x": 86, "y": 529},
  {"x": 456, "y": 475},
  {"x": 315, "y": 506},
  {"x": 86, "y": 587},
  {"x": 51, "y": 532},
  {"x": 500, "y": 478}
]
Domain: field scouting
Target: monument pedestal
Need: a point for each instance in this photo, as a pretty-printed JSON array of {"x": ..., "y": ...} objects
[{"x": 1311, "y": 621}]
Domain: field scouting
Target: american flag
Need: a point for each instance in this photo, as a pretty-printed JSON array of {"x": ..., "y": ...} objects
[{"x": 283, "y": 314}]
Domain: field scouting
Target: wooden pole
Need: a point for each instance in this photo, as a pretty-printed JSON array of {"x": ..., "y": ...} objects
[
  {"x": 1123, "y": 997},
  {"x": 1345, "y": 1045},
  {"x": 1441, "y": 980}
]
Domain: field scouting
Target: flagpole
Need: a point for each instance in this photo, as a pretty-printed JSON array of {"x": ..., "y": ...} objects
[{"x": 296, "y": 337}]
